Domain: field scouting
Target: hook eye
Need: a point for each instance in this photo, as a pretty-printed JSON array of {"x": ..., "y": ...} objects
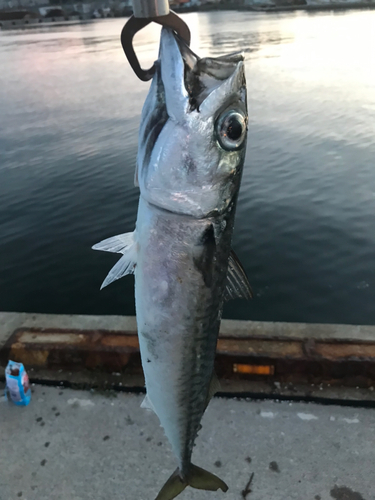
[{"x": 136, "y": 24}]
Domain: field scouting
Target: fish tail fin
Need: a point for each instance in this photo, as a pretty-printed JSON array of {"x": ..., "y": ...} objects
[
  {"x": 172, "y": 487},
  {"x": 197, "y": 478},
  {"x": 203, "y": 480}
]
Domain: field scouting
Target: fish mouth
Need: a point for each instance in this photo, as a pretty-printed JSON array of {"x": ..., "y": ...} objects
[
  {"x": 194, "y": 78},
  {"x": 187, "y": 162}
]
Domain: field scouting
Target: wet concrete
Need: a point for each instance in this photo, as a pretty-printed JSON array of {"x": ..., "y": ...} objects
[
  {"x": 84, "y": 445},
  {"x": 344, "y": 493}
]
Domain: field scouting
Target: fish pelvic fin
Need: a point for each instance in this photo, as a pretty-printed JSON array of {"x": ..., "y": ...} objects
[
  {"x": 124, "y": 244},
  {"x": 197, "y": 478}
]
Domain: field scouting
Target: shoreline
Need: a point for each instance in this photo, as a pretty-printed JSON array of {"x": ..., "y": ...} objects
[
  {"x": 339, "y": 6},
  {"x": 323, "y": 7},
  {"x": 279, "y": 8}
]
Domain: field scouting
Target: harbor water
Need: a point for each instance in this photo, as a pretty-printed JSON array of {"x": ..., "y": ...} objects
[{"x": 305, "y": 228}]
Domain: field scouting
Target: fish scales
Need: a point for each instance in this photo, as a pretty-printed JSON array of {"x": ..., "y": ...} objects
[
  {"x": 192, "y": 142},
  {"x": 178, "y": 317}
]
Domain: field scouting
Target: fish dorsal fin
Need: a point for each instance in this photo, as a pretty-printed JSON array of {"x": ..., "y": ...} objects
[
  {"x": 237, "y": 285},
  {"x": 124, "y": 244},
  {"x": 146, "y": 403}
]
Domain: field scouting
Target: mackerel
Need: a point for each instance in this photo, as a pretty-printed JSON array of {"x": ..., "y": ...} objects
[{"x": 192, "y": 142}]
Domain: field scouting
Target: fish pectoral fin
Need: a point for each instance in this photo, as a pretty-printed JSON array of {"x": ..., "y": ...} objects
[
  {"x": 197, "y": 478},
  {"x": 122, "y": 243},
  {"x": 237, "y": 285},
  {"x": 123, "y": 267},
  {"x": 204, "y": 260}
]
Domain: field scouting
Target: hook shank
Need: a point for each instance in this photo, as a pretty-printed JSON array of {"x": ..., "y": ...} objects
[
  {"x": 135, "y": 24},
  {"x": 153, "y": 8}
]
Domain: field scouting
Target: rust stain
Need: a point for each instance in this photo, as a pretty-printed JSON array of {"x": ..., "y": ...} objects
[
  {"x": 340, "y": 351},
  {"x": 47, "y": 337},
  {"x": 261, "y": 348},
  {"x": 27, "y": 356},
  {"x": 121, "y": 341},
  {"x": 291, "y": 359}
]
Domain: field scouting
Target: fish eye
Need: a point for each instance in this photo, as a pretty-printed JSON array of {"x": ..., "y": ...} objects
[{"x": 231, "y": 130}]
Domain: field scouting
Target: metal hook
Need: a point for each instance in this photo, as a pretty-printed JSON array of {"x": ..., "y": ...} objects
[{"x": 135, "y": 24}]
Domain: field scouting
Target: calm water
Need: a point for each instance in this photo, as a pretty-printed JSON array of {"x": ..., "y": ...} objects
[{"x": 305, "y": 229}]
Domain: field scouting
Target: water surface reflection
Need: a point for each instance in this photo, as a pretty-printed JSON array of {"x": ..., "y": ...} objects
[{"x": 68, "y": 138}]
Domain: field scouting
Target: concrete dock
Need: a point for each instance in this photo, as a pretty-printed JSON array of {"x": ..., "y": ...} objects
[
  {"x": 293, "y": 361},
  {"x": 10, "y": 321},
  {"x": 98, "y": 444},
  {"x": 84, "y": 445}
]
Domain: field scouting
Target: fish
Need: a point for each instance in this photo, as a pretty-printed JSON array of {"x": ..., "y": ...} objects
[{"x": 191, "y": 151}]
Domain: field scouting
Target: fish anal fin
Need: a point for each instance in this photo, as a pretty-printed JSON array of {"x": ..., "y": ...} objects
[
  {"x": 212, "y": 390},
  {"x": 146, "y": 403},
  {"x": 197, "y": 478},
  {"x": 214, "y": 387},
  {"x": 237, "y": 284}
]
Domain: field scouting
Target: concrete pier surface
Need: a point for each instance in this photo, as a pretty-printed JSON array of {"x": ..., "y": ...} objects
[
  {"x": 85, "y": 445},
  {"x": 10, "y": 321}
]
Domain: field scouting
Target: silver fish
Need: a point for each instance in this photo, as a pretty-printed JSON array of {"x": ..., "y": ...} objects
[{"x": 192, "y": 142}]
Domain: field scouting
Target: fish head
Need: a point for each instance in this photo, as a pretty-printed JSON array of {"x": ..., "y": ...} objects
[{"x": 193, "y": 131}]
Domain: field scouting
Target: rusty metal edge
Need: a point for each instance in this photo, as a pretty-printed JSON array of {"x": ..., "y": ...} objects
[
  {"x": 14, "y": 337},
  {"x": 307, "y": 348},
  {"x": 239, "y": 338}
]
